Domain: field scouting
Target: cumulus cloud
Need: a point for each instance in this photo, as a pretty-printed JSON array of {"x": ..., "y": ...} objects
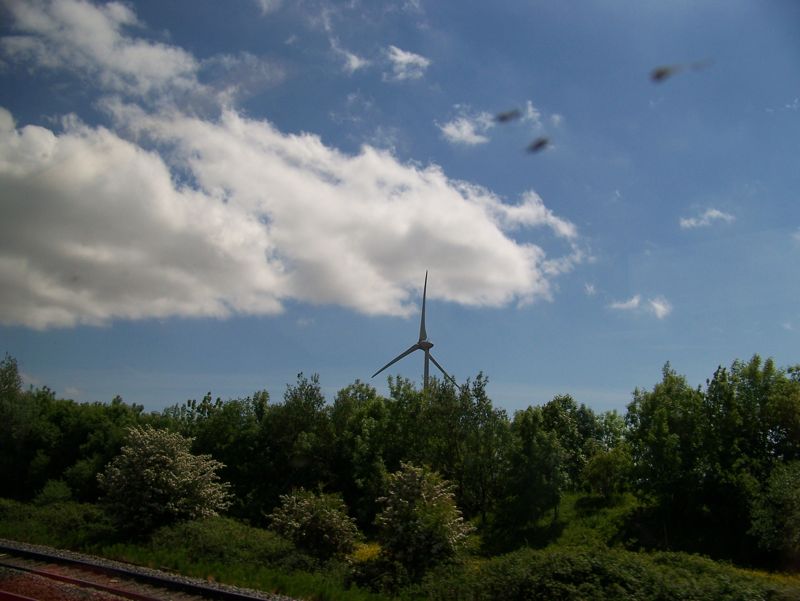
[
  {"x": 172, "y": 214},
  {"x": 405, "y": 65},
  {"x": 97, "y": 228},
  {"x": 658, "y": 306},
  {"x": 705, "y": 219}
]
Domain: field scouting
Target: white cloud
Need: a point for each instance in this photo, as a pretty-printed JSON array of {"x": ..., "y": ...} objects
[
  {"x": 351, "y": 62},
  {"x": 706, "y": 219},
  {"x": 628, "y": 305},
  {"x": 97, "y": 229},
  {"x": 589, "y": 289},
  {"x": 94, "y": 42},
  {"x": 405, "y": 65},
  {"x": 269, "y": 6},
  {"x": 468, "y": 129},
  {"x": 81, "y": 36},
  {"x": 532, "y": 114},
  {"x": 94, "y": 228},
  {"x": 531, "y": 212},
  {"x": 97, "y": 225},
  {"x": 659, "y": 306}
]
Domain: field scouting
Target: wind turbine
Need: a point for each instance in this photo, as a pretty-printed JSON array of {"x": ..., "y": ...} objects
[{"x": 423, "y": 344}]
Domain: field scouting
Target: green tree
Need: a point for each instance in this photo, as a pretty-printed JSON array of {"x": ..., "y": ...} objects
[
  {"x": 776, "y": 513},
  {"x": 228, "y": 431},
  {"x": 420, "y": 524},
  {"x": 533, "y": 483},
  {"x": 666, "y": 437},
  {"x": 316, "y": 523},
  {"x": 607, "y": 471},
  {"x": 360, "y": 420},
  {"x": 156, "y": 480}
]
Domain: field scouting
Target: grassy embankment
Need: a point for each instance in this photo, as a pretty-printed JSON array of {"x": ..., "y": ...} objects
[{"x": 583, "y": 561}]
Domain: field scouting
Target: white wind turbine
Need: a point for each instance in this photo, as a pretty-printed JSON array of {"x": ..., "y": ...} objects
[{"x": 423, "y": 344}]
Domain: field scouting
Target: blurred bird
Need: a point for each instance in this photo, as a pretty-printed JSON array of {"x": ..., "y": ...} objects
[
  {"x": 538, "y": 144},
  {"x": 507, "y": 116},
  {"x": 664, "y": 72}
]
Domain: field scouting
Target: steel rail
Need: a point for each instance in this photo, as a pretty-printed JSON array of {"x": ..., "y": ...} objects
[{"x": 164, "y": 582}]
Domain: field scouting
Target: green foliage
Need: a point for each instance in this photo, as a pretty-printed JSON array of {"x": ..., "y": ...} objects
[
  {"x": 156, "y": 480},
  {"x": 360, "y": 421},
  {"x": 776, "y": 513},
  {"x": 227, "y": 551},
  {"x": 601, "y": 574},
  {"x": 229, "y": 431},
  {"x": 533, "y": 484},
  {"x": 420, "y": 525},
  {"x": 607, "y": 472},
  {"x": 220, "y": 540},
  {"x": 54, "y": 491},
  {"x": 316, "y": 523},
  {"x": 63, "y": 524},
  {"x": 702, "y": 458}
]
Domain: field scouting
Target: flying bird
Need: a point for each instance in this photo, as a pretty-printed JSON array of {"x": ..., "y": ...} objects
[
  {"x": 664, "y": 72},
  {"x": 538, "y": 144},
  {"x": 423, "y": 344},
  {"x": 508, "y": 116}
]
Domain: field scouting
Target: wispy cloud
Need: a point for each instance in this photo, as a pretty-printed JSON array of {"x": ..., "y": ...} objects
[
  {"x": 268, "y": 6},
  {"x": 471, "y": 128},
  {"x": 705, "y": 219},
  {"x": 628, "y": 305},
  {"x": 94, "y": 42},
  {"x": 658, "y": 306},
  {"x": 589, "y": 289},
  {"x": 351, "y": 61},
  {"x": 468, "y": 129},
  {"x": 405, "y": 65}
]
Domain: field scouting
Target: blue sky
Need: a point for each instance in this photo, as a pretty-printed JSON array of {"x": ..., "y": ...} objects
[{"x": 206, "y": 196}]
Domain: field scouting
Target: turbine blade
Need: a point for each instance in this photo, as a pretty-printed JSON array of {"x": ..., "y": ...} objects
[
  {"x": 396, "y": 359},
  {"x": 423, "y": 335},
  {"x": 441, "y": 369}
]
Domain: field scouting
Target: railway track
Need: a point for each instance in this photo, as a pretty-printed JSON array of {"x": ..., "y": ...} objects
[{"x": 35, "y": 573}]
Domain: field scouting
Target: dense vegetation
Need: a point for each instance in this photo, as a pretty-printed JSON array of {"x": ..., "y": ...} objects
[{"x": 433, "y": 493}]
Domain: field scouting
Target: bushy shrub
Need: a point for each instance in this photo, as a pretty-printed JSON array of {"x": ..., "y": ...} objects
[
  {"x": 420, "y": 525},
  {"x": 600, "y": 574},
  {"x": 316, "y": 523},
  {"x": 54, "y": 491},
  {"x": 156, "y": 480},
  {"x": 64, "y": 524},
  {"x": 224, "y": 540}
]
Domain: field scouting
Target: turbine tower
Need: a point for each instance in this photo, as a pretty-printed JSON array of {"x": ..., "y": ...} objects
[{"x": 423, "y": 344}]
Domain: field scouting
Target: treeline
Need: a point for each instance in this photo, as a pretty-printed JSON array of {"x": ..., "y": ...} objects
[{"x": 715, "y": 470}]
